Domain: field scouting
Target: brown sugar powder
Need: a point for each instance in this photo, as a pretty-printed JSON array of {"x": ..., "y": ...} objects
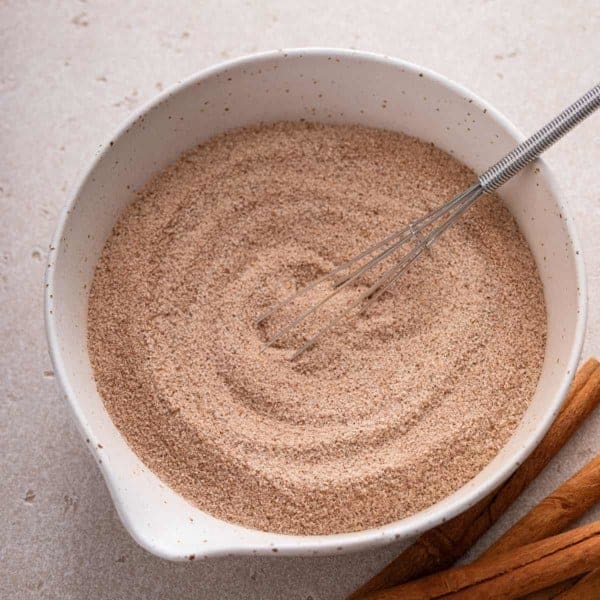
[{"x": 389, "y": 412}]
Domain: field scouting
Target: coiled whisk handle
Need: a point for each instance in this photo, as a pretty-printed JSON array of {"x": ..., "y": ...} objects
[{"x": 540, "y": 141}]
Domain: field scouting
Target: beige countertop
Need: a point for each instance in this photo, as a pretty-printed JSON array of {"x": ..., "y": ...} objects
[{"x": 71, "y": 71}]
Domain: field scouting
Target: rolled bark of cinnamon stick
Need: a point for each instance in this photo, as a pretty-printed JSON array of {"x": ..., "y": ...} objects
[
  {"x": 511, "y": 574},
  {"x": 440, "y": 547},
  {"x": 587, "y": 588},
  {"x": 551, "y": 592},
  {"x": 554, "y": 513}
]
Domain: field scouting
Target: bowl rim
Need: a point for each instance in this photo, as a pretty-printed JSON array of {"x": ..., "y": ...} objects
[{"x": 298, "y": 545}]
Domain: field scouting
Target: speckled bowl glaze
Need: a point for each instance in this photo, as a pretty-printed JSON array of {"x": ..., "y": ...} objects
[{"x": 331, "y": 86}]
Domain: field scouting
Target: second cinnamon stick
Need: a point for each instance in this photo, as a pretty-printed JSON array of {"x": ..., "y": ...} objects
[
  {"x": 554, "y": 513},
  {"x": 511, "y": 574},
  {"x": 588, "y": 588}
]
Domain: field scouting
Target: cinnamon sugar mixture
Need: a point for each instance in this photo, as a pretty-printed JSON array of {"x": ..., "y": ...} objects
[{"x": 389, "y": 412}]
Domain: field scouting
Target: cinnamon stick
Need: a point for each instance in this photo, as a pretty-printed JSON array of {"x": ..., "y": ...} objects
[
  {"x": 511, "y": 574},
  {"x": 587, "y": 588},
  {"x": 551, "y": 592},
  {"x": 554, "y": 513},
  {"x": 440, "y": 547}
]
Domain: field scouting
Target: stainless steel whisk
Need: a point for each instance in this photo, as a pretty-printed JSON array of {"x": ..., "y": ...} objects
[{"x": 426, "y": 230}]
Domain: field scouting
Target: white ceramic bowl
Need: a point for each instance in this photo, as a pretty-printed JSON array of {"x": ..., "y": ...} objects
[{"x": 332, "y": 86}]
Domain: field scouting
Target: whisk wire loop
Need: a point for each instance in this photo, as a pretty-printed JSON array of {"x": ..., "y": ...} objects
[{"x": 452, "y": 210}]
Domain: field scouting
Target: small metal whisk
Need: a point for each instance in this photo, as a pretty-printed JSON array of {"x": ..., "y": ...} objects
[{"x": 425, "y": 231}]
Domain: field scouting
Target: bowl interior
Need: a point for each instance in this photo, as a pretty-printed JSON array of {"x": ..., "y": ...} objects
[{"x": 332, "y": 87}]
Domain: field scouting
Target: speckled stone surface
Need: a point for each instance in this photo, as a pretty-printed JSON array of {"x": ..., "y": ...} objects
[{"x": 70, "y": 73}]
